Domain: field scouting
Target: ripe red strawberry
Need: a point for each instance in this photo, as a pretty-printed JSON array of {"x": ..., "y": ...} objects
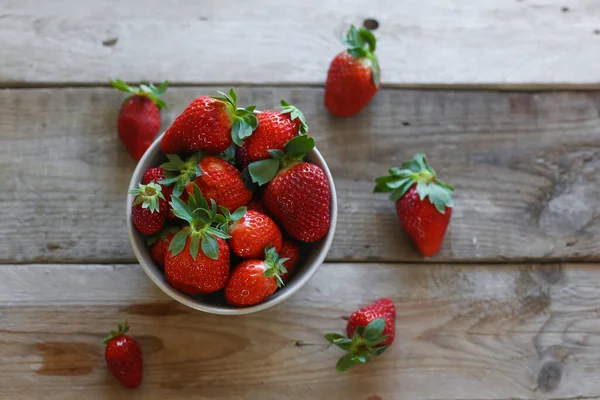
[
  {"x": 423, "y": 202},
  {"x": 123, "y": 357},
  {"x": 209, "y": 124},
  {"x": 253, "y": 281},
  {"x": 149, "y": 208},
  {"x": 186, "y": 267},
  {"x": 275, "y": 129},
  {"x": 159, "y": 244},
  {"x": 157, "y": 174},
  {"x": 353, "y": 77},
  {"x": 290, "y": 249},
  {"x": 297, "y": 196},
  {"x": 221, "y": 182},
  {"x": 371, "y": 330},
  {"x": 251, "y": 232},
  {"x": 139, "y": 118},
  {"x": 256, "y": 204}
]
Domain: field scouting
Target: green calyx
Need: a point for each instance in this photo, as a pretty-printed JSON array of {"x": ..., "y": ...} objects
[
  {"x": 275, "y": 265},
  {"x": 363, "y": 344},
  {"x": 121, "y": 330},
  {"x": 287, "y": 108},
  {"x": 162, "y": 235},
  {"x": 226, "y": 218},
  {"x": 201, "y": 217},
  {"x": 416, "y": 171},
  {"x": 244, "y": 120},
  {"x": 361, "y": 43},
  {"x": 148, "y": 196},
  {"x": 295, "y": 149},
  {"x": 179, "y": 173},
  {"x": 150, "y": 90}
]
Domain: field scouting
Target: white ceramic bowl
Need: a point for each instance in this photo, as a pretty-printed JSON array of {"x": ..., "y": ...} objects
[{"x": 312, "y": 257}]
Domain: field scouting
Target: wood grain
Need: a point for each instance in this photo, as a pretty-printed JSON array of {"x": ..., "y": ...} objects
[
  {"x": 526, "y": 168},
  {"x": 541, "y": 42},
  {"x": 463, "y": 332}
]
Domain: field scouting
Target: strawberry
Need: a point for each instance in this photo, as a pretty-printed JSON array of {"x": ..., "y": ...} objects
[
  {"x": 423, "y": 202},
  {"x": 159, "y": 244},
  {"x": 220, "y": 181},
  {"x": 123, "y": 357},
  {"x": 209, "y": 124},
  {"x": 253, "y": 281},
  {"x": 290, "y": 249},
  {"x": 251, "y": 232},
  {"x": 186, "y": 267},
  {"x": 371, "y": 330},
  {"x": 275, "y": 129},
  {"x": 157, "y": 174},
  {"x": 353, "y": 77},
  {"x": 298, "y": 193},
  {"x": 139, "y": 119},
  {"x": 256, "y": 204},
  {"x": 149, "y": 208}
]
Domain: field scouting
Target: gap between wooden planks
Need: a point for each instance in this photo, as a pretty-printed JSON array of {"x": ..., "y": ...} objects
[
  {"x": 526, "y": 167},
  {"x": 492, "y": 42},
  {"x": 463, "y": 332}
]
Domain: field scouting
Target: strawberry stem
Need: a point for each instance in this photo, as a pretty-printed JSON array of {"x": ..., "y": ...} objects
[
  {"x": 365, "y": 342},
  {"x": 150, "y": 90},
  {"x": 121, "y": 330},
  {"x": 148, "y": 196},
  {"x": 361, "y": 43},
  {"x": 416, "y": 172}
]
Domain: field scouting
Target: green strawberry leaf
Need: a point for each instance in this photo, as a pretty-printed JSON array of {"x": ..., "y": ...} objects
[
  {"x": 194, "y": 245},
  {"x": 299, "y": 146},
  {"x": 210, "y": 246},
  {"x": 178, "y": 241},
  {"x": 374, "y": 329},
  {"x": 238, "y": 214},
  {"x": 295, "y": 113},
  {"x": 346, "y": 362},
  {"x": 180, "y": 209},
  {"x": 241, "y": 129},
  {"x": 263, "y": 171},
  {"x": 218, "y": 233}
]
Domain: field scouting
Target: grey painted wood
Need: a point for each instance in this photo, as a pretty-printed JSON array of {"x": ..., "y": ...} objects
[
  {"x": 463, "y": 332},
  {"x": 492, "y": 42},
  {"x": 525, "y": 166}
]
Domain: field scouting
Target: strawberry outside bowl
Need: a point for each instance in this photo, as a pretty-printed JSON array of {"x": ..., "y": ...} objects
[{"x": 313, "y": 254}]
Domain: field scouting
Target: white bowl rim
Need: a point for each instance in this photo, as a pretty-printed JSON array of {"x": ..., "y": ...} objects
[{"x": 299, "y": 279}]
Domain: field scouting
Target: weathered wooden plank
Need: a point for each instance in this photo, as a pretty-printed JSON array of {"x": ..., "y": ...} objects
[
  {"x": 526, "y": 168},
  {"x": 463, "y": 332},
  {"x": 421, "y": 42}
]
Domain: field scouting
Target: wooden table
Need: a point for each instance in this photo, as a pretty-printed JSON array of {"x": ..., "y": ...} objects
[{"x": 509, "y": 308}]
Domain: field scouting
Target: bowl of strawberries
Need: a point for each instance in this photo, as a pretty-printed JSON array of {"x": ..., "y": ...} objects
[{"x": 232, "y": 210}]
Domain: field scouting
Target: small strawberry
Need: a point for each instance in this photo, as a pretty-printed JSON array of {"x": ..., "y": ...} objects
[
  {"x": 149, "y": 208},
  {"x": 423, "y": 202},
  {"x": 290, "y": 249},
  {"x": 123, "y": 357},
  {"x": 256, "y": 204},
  {"x": 353, "y": 77},
  {"x": 220, "y": 181},
  {"x": 159, "y": 244},
  {"x": 251, "y": 232},
  {"x": 298, "y": 193},
  {"x": 186, "y": 267},
  {"x": 139, "y": 118},
  {"x": 253, "y": 281},
  {"x": 371, "y": 330},
  {"x": 157, "y": 174},
  {"x": 275, "y": 129},
  {"x": 209, "y": 124}
]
